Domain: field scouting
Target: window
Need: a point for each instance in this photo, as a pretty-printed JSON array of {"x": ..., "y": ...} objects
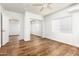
[
  {"x": 56, "y": 25},
  {"x": 63, "y": 25},
  {"x": 66, "y": 25}
]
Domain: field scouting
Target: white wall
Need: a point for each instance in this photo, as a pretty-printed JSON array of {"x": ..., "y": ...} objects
[
  {"x": 66, "y": 37},
  {"x": 75, "y": 17},
  {"x": 5, "y": 28},
  {"x": 27, "y": 24}
]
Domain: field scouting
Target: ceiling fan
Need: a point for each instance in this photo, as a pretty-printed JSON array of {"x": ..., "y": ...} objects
[{"x": 44, "y": 6}]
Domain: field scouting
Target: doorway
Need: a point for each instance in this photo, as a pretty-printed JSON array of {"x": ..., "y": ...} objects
[
  {"x": 36, "y": 30},
  {"x": 14, "y": 31}
]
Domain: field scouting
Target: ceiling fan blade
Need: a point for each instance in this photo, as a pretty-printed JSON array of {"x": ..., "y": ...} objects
[
  {"x": 49, "y": 7},
  {"x": 41, "y": 8},
  {"x": 50, "y": 4},
  {"x": 36, "y": 4}
]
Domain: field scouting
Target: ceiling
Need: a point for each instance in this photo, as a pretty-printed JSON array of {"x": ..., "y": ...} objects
[{"x": 22, "y": 7}]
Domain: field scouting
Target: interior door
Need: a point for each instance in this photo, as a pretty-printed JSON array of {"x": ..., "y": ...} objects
[{"x": 5, "y": 29}]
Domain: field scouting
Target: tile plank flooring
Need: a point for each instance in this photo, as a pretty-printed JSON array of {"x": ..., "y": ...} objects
[{"x": 37, "y": 46}]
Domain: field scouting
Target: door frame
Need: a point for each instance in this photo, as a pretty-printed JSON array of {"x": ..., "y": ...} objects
[
  {"x": 1, "y": 31},
  {"x": 41, "y": 32}
]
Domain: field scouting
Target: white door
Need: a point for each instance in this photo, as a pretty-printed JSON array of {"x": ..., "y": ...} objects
[{"x": 5, "y": 29}]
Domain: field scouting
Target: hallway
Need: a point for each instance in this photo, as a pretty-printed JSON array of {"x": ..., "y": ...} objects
[{"x": 38, "y": 46}]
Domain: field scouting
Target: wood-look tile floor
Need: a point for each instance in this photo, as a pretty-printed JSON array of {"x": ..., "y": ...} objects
[{"x": 37, "y": 47}]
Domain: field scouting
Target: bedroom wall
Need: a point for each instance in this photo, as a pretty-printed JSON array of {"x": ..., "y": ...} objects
[{"x": 63, "y": 35}]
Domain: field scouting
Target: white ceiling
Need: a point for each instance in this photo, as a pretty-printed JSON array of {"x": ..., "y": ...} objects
[{"x": 22, "y": 7}]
